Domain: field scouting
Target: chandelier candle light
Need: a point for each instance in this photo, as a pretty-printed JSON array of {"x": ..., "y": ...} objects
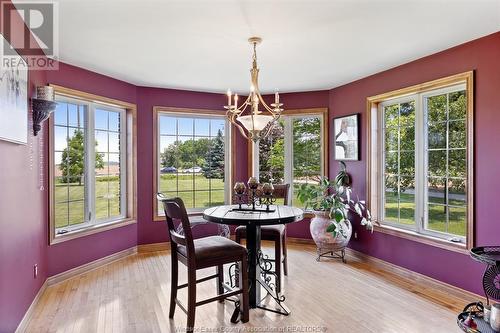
[{"x": 247, "y": 116}]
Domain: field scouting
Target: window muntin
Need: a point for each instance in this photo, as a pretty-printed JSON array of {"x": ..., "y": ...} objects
[
  {"x": 192, "y": 158},
  {"x": 399, "y": 162},
  {"x": 89, "y": 164},
  {"x": 425, "y": 172},
  {"x": 446, "y": 161},
  {"x": 108, "y": 163},
  {"x": 293, "y": 153},
  {"x": 70, "y": 201}
]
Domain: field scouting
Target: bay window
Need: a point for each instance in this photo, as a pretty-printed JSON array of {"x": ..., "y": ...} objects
[{"x": 421, "y": 160}]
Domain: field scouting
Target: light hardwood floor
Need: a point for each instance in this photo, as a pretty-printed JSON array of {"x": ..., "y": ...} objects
[{"x": 132, "y": 295}]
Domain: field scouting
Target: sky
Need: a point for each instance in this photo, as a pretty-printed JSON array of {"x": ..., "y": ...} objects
[
  {"x": 183, "y": 129},
  {"x": 69, "y": 117}
]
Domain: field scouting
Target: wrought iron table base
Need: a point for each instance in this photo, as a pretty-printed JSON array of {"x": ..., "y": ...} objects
[
  {"x": 277, "y": 297},
  {"x": 267, "y": 276},
  {"x": 335, "y": 254},
  {"x": 272, "y": 288},
  {"x": 260, "y": 272}
]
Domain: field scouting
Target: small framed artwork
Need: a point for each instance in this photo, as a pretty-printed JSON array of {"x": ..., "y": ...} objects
[
  {"x": 346, "y": 138},
  {"x": 13, "y": 98}
]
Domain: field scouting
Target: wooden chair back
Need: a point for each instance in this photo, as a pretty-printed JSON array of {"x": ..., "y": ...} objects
[
  {"x": 281, "y": 192},
  {"x": 176, "y": 211}
]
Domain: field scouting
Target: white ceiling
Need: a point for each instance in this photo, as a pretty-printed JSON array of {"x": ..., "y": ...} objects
[{"x": 308, "y": 45}]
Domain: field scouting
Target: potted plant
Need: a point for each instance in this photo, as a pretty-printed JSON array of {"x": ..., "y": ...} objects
[{"x": 332, "y": 205}]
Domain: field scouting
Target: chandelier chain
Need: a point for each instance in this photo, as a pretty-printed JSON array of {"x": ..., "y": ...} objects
[{"x": 254, "y": 55}]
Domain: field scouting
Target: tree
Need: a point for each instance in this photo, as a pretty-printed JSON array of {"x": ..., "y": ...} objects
[
  {"x": 192, "y": 152},
  {"x": 186, "y": 154},
  {"x": 73, "y": 159},
  {"x": 306, "y": 150},
  {"x": 169, "y": 156},
  {"x": 272, "y": 155},
  {"x": 214, "y": 157},
  {"x": 307, "y": 147},
  {"x": 446, "y": 138}
]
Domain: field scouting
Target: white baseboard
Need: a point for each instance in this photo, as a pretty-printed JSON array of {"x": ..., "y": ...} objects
[{"x": 29, "y": 313}]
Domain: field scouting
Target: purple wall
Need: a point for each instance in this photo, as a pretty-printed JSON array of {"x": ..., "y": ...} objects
[
  {"x": 482, "y": 56},
  {"x": 70, "y": 254},
  {"x": 23, "y": 230},
  {"x": 23, "y": 226}
]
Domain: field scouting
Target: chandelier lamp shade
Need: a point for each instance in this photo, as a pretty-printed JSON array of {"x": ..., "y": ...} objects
[{"x": 253, "y": 123}]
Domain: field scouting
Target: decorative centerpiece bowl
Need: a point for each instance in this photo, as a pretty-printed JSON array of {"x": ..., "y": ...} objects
[
  {"x": 253, "y": 183},
  {"x": 239, "y": 188},
  {"x": 256, "y": 197}
]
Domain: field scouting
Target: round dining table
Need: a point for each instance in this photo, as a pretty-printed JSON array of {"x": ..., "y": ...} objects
[{"x": 259, "y": 265}]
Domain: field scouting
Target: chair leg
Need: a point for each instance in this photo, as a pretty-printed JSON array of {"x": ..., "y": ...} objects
[
  {"x": 191, "y": 299},
  {"x": 173, "y": 287},
  {"x": 245, "y": 316},
  {"x": 285, "y": 254},
  {"x": 220, "y": 281},
  {"x": 277, "y": 262}
]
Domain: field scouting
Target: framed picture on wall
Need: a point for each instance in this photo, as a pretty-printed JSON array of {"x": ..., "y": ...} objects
[
  {"x": 13, "y": 97},
  {"x": 346, "y": 141}
]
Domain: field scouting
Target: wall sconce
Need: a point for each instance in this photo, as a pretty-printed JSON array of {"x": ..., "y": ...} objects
[{"x": 42, "y": 106}]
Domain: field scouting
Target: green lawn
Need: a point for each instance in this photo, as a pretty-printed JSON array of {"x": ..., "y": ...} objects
[
  {"x": 437, "y": 216},
  {"x": 69, "y": 198},
  {"x": 108, "y": 202},
  {"x": 196, "y": 192}
]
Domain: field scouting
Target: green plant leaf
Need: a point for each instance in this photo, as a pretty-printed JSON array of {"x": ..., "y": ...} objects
[
  {"x": 339, "y": 215},
  {"x": 331, "y": 228}
]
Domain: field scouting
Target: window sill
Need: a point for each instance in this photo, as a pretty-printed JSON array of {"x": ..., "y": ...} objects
[
  {"x": 424, "y": 239},
  {"x": 94, "y": 229}
]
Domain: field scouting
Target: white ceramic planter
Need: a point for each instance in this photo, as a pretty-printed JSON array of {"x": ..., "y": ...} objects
[{"x": 325, "y": 242}]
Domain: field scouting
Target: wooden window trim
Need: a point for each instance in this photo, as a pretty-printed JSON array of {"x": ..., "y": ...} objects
[
  {"x": 131, "y": 165},
  {"x": 372, "y": 104},
  {"x": 166, "y": 109}
]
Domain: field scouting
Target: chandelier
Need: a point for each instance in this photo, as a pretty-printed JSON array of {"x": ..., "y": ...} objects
[{"x": 247, "y": 117}]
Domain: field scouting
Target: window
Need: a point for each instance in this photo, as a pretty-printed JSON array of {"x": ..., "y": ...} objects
[
  {"x": 399, "y": 162},
  {"x": 89, "y": 164},
  {"x": 192, "y": 159},
  {"x": 421, "y": 147},
  {"x": 294, "y": 152}
]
